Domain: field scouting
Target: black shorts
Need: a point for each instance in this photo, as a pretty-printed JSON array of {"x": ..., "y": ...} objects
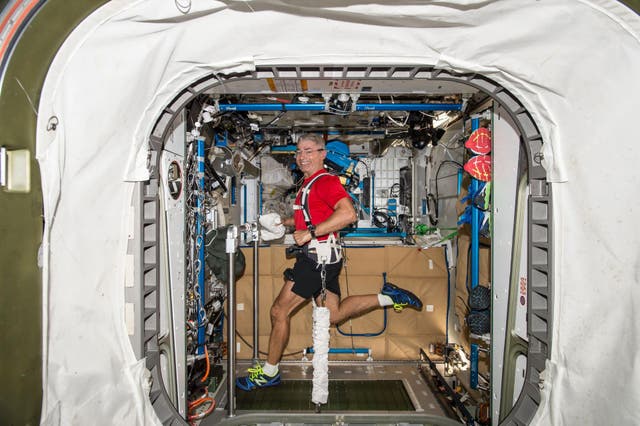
[{"x": 307, "y": 281}]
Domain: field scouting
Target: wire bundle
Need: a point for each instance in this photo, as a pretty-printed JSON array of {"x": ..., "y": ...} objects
[{"x": 193, "y": 416}]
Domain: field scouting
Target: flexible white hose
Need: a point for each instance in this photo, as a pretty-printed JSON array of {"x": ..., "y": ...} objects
[{"x": 320, "y": 392}]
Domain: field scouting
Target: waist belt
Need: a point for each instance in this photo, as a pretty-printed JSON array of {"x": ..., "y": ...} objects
[{"x": 328, "y": 251}]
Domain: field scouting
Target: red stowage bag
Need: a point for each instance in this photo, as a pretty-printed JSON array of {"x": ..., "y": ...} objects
[
  {"x": 479, "y": 167},
  {"x": 479, "y": 142}
]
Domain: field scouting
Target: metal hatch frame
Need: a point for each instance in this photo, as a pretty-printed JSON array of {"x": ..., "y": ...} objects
[{"x": 540, "y": 268}]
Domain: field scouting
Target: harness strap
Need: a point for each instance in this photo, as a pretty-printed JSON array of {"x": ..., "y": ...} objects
[
  {"x": 322, "y": 252},
  {"x": 304, "y": 199}
]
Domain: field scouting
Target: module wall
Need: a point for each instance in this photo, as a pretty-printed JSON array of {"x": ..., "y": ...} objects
[{"x": 423, "y": 272}]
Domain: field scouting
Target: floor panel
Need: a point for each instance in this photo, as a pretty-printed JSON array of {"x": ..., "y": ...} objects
[{"x": 385, "y": 391}]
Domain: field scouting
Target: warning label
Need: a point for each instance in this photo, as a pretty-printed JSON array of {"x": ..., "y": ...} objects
[
  {"x": 345, "y": 85},
  {"x": 523, "y": 291}
]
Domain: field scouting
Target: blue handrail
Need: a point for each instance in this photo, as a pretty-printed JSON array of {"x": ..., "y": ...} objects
[
  {"x": 475, "y": 228},
  {"x": 322, "y": 107},
  {"x": 475, "y": 259},
  {"x": 200, "y": 243},
  {"x": 310, "y": 350}
]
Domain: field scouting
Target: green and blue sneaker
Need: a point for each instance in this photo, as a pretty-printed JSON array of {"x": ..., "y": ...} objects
[
  {"x": 257, "y": 379},
  {"x": 401, "y": 297}
]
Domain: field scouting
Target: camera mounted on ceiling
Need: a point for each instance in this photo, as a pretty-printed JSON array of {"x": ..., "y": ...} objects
[{"x": 421, "y": 131}]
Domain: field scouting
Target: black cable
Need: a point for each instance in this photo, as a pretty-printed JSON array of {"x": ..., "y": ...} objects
[
  {"x": 351, "y": 333},
  {"x": 277, "y": 117},
  {"x": 440, "y": 167},
  {"x": 382, "y": 219},
  {"x": 437, "y": 196},
  {"x": 215, "y": 175},
  {"x": 433, "y": 212},
  {"x": 392, "y": 192},
  {"x": 474, "y": 204},
  {"x": 366, "y": 167}
]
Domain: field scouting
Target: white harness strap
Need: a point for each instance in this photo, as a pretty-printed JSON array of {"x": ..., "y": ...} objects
[
  {"x": 304, "y": 199},
  {"x": 328, "y": 251}
]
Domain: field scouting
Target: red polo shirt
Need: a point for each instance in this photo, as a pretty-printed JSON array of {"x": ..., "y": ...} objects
[{"x": 325, "y": 193}]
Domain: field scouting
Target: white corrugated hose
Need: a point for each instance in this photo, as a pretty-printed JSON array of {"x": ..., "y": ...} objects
[{"x": 320, "y": 391}]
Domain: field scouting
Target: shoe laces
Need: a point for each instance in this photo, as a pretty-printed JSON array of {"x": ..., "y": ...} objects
[
  {"x": 255, "y": 372},
  {"x": 398, "y": 307}
]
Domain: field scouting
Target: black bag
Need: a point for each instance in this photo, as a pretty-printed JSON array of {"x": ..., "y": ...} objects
[{"x": 216, "y": 256}]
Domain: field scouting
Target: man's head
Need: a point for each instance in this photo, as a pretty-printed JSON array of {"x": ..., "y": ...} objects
[{"x": 310, "y": 153}]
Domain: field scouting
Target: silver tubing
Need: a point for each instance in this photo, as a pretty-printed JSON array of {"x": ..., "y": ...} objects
[
  {"x": 231, "y": 248},
  {"x": 256, "y": 280}
]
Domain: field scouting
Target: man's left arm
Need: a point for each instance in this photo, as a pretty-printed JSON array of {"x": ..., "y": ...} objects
[
  {"x": 343, "y": 215},
  {"x": 288, "y": 221}
]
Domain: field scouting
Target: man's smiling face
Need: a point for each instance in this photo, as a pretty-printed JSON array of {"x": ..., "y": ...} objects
[{"x": 309, "y": 157}]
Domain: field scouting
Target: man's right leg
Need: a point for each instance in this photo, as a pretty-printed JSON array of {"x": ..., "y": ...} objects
[{"x": 281, "y": 310}]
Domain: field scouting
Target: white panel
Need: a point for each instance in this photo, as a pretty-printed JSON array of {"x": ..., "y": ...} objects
[
  {"x": 505, "y": 154},
  {"x": 387, "y": 173},
  {"x": 172, "y": 303},
  {"x": 18, "y": 173},
  {"x": 129, "y": 318},
  {"x": 520, "y": 327},
  {"x": 249, "y": 200}
]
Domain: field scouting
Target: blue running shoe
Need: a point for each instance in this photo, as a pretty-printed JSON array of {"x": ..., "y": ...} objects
[
  {"x": 401, "y": 297},
  {"x": 257, "y": 379}
]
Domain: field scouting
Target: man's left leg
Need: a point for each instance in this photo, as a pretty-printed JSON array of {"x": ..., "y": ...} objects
[{"x": 351, "y": 306}]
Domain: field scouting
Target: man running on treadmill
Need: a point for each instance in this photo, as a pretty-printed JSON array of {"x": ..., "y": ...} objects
[{"x": 325, "y": 210}]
